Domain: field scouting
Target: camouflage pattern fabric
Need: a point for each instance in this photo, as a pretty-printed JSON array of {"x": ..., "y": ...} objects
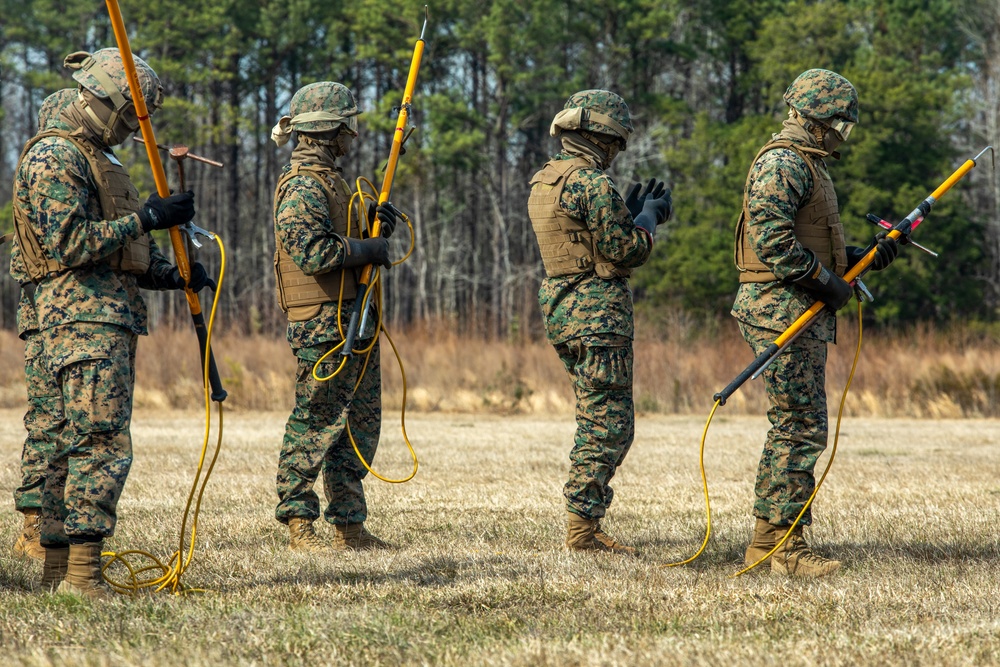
[
  {"x": 600, "y": 368},
  {"x": 796, "y": 389},
  {"x": 778, "y": 185},
  {"x": 328, "y": 96},
  {"x": 43, "y": 422},
  {"x": 316, "y": 439},
  {"x": 48, "y": 113},
  {"x": 822, "y": 94},
  {"x": 585, "y": 304},
  {"x": 93, "y": 363},
  {"x": 596, "y": 103},
  {"x": 88, "y": 318},
  {"x": 54, "y": 186},
  {"x": 589, "y": 320},
  {"x": 303, "y": 226},
  {"x": 44, "y": 417},
  {"x": 103, "y": 74}
]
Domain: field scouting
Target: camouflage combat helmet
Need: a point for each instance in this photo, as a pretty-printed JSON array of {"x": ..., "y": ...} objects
[
  {"x": 825, "y": 96},
  {"x": 53, "y": 105},
  {"x": 323, "y": 106},
  {"x": 103, "y": 74},
  {"x": 595, "y": 111}
]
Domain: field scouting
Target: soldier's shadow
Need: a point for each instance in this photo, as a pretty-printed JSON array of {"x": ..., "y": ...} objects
[
  {"x": 433, "y": 572},
  {"x": 920, "y": 552}
]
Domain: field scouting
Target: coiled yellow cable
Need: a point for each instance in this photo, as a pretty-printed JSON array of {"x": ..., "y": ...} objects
[
  {"x": 356, "y": 208},
  {"x": 170, "y": 572}
]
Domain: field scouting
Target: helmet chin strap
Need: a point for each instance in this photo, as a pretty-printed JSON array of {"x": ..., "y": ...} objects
[{"x": 823, "y": 134}]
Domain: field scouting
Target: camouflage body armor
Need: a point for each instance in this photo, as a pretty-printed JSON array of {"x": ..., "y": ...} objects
[
  {"x": 299, "y": 295},
  {"x": 817, "y": 223},
  {"x": 118, "y": 198},
  {"x": 566, "y": 244}
]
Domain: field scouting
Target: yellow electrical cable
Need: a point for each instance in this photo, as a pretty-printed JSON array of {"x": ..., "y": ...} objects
[
  {"x": 704, "y": 484},
  {"x": 171, "y": 572},
  {"x": 356, "y": 207},
  {"x": 833, "y": 453},
  {"x": 829, "y": 464}
]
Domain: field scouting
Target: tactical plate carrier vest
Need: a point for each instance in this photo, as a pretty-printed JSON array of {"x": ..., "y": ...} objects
[
  {"x": 118, "y": 198},
  {"x": 300, "y": 296},
  {"x": 817, "y": 224},
  {"x": 566, "y": 244}
]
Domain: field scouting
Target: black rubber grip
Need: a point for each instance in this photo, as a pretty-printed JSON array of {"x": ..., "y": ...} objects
[
  {"x": 754, "y": 366},
  {"x": 218, "y": 393},
  {"x": 352, "y": 327}
]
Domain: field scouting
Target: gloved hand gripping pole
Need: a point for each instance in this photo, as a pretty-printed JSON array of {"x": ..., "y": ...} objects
[
  {"x": 901, "y": 231},
  {"x": 398, "y": 137},
  {"x": 159, "y": 176}
]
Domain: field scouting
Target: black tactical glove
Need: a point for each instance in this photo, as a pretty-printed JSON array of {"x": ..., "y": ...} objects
[
  {"x": 361, "y": 252},
  {"x": 199, "y": 279},
  {"x": 655, "y": 211},
  {"x": 824, "y": 284},
  {"x": 388, "y": 215},
  {"x": 634, "y": 200},
  {"x": 887, "y": 248},
  {"x": 159, "y": 213}
]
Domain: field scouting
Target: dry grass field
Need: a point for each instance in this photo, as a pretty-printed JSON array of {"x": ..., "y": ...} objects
[{"x": 478, "y": 575}]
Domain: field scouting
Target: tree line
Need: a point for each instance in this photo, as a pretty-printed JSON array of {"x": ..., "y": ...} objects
[{"x": 704, "y": 82}]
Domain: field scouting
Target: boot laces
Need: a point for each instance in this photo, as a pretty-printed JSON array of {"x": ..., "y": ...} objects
[
  {"x": 798, "y": 549},
  {"x": 306, "y": 535}
]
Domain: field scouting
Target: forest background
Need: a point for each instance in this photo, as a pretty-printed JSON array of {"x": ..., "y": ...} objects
[{"x": 704, "y": 82}]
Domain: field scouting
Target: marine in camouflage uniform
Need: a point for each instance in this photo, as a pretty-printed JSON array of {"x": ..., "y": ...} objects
[
  {"x": 43, "y": 419},
  {"x": 82, "y": 238},
  {"x": 790, "y": 251},
  {"x": 590, "y": 239},
  {"x": 319, "y": 252}
]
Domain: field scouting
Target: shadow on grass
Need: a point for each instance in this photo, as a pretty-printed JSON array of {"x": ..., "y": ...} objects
[{"x": 920, "y": 552}]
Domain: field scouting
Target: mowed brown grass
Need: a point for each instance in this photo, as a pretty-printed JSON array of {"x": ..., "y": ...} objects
[{"x": 478, "y": 575}]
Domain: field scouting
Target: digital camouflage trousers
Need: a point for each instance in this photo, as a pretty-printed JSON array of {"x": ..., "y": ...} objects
[
  {"x": 317, "y": 439},
  {"x": 94, "y": 367},
  {"x": 600, "y": 368},
  {"x": 796, "y": 390},
  {"x": 42, "y": 421}
]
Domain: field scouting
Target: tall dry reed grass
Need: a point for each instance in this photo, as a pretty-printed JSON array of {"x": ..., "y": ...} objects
[{"x": 680, "y": 364}]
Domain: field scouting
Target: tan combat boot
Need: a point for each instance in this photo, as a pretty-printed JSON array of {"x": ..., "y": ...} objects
[
  {"x": 28, "y": 543},
  {"x": 354, "y": 536},
  {"x": 54, "y": 568},
  {"x": 610, "y": 543},
  {"x": 795, "y": 559},
  {"x": 765, "y": 536},
  {"x": 584, "y": 534},
  {"x": 302, "y": 537},
  {"x": 83, "y": 573}
]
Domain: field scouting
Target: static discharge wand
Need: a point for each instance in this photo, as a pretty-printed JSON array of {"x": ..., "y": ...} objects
[
  {"x": 398, "y": 137},
  {"x": 901, "y": 233}
]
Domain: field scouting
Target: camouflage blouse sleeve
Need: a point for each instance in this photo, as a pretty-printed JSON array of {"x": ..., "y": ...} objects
[
  {"x": 304, "y": 229},
  {"x": 778, "y": 185},
  {"x": 60, "y": 187},
  {"x": 590, "y": 195}
]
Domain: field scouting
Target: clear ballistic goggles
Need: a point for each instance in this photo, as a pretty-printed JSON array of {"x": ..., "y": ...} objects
[{"x": 841, "y": 127}]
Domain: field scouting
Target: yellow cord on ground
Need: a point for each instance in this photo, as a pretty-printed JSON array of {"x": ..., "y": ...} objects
[
  {"x": 704, "y": 484},
  {"x": 170, "y": 572},
  {"x": 356, "y": 208},
  {"x": 829, "y": 464}
]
